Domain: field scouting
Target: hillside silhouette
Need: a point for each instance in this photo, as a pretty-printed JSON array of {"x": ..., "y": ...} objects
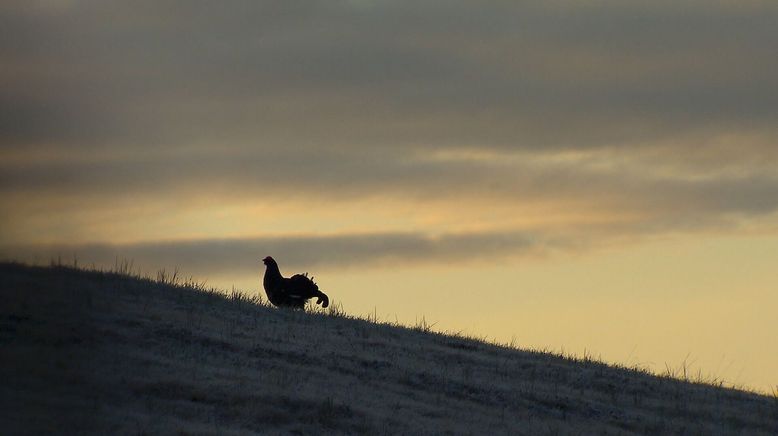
[{"x": 111, "y": 352}]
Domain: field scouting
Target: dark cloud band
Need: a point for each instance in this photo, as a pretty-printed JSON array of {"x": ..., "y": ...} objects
[
  {"x": 213, "y": 256},
  {"x": 523, "y": 75}
]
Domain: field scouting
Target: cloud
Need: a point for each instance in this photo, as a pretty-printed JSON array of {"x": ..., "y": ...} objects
[
  {"x": 523, "y": 75},
  {"x": 610, "y": 180},
  {"x": 663, "y": 111},
  {"x": 214, "y": 256}
]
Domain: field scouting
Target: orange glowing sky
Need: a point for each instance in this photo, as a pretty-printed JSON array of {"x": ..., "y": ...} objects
[{"x": 580, "y": 176}]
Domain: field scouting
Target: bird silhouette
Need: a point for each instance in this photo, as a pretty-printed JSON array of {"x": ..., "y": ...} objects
[{"x": 293, "y": 291}]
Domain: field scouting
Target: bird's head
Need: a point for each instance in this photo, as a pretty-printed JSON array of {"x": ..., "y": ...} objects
[{"x": 269, "y": 261}]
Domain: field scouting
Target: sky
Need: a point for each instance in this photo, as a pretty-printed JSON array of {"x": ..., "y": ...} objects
[{"x": 596, "y": 177}]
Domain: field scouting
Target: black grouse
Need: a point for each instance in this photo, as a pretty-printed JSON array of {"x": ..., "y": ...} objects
[{"x": 293, "y": 291}]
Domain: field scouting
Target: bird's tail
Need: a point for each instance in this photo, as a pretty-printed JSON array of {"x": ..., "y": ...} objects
[{"x": 321, "y": 298}]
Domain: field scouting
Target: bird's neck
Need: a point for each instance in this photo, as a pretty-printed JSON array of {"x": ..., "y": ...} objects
[{"x": 272, "y": 273}]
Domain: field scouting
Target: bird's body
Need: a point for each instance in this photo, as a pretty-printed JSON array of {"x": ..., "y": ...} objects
[{"x": 290, "y": 292}]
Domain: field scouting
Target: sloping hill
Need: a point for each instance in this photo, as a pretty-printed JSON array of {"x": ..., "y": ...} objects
[{"x": 106, "y": 353}]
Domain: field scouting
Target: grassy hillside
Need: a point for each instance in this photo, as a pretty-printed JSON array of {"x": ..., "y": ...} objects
[{"x": 106, "y": 353}]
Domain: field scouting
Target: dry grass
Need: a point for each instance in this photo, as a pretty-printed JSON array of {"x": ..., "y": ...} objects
[{"x": 113, "y": 352}]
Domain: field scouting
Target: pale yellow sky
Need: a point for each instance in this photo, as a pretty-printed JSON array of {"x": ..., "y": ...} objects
[{"x": 599, "y": 176}]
